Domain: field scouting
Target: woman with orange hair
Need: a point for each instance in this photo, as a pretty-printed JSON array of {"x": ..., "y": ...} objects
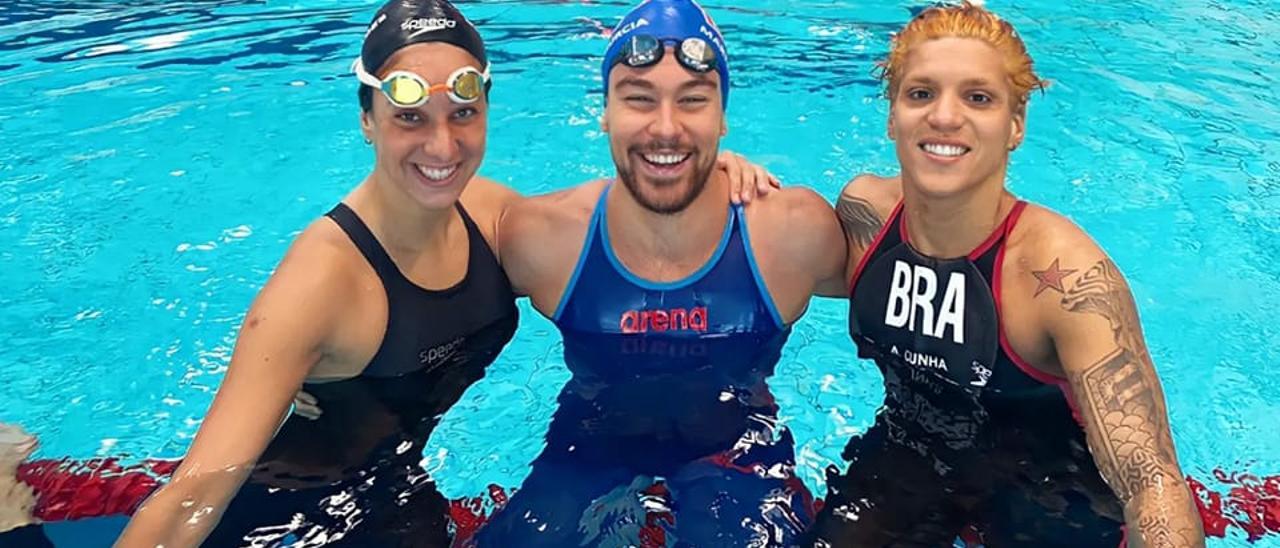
[{"x": 1020, "y": 398}]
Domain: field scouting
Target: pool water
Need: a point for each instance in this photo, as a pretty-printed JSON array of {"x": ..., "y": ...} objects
[{"x": 158, "y": 157}]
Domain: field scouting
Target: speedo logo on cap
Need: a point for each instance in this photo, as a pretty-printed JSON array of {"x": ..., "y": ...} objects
[
  {"x": 373, "y": 26},
  {"x": 427, "y": 24}
]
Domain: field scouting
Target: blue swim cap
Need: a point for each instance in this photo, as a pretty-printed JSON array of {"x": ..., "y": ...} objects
[{"x": 669, "y": 20}]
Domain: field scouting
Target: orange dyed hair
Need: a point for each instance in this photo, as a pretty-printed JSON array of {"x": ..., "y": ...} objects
[{"x": 964, "y": 21}]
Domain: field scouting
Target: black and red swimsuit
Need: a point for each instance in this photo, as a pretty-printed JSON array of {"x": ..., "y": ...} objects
[{"x": 969, "y": 433}]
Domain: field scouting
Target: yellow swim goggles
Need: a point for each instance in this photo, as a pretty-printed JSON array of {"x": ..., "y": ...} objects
[{"x": 408, "y": 90}]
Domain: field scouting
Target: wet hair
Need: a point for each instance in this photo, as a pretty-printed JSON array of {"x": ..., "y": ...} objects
[{"x": 965, "y": 20}]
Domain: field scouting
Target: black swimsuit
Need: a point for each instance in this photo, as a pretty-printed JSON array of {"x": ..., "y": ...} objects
[
  {"x": 969, "y": 434},
  {"x": 463, "y": 326},
  {"x": 354, "y": 473}
]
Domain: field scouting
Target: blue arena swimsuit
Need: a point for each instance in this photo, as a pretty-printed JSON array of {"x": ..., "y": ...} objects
[{"x": 667, "y": 413}]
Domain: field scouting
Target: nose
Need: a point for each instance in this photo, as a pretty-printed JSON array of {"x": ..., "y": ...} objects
[
  {"x": 946, "y": 113},
  {"x": 666, "y": 126},
  {"x": 441, "y": 143}
]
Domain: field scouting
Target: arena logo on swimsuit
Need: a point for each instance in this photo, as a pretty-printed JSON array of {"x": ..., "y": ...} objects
[
  {"x": 911, "y": 297},
  {"x": 661, "y": 321}
]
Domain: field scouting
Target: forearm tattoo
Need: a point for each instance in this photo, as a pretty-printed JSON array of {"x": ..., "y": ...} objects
[
  {"x": 1122, "y": 400},
  {"x": 1156, "y": 530},
  {"x": 860, "y": 221}
]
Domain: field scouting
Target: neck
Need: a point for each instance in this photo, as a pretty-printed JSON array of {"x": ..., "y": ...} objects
[
  {"x": 952, "y": 226},
  {"x": 399, "y": 221},
  {"x": 676, "y": 237}
]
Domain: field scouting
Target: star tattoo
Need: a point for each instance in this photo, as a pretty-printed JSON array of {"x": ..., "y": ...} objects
[{"x": 1051, "y": 278}]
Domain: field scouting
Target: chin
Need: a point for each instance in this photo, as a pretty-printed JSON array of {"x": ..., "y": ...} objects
[
  {"x": 942, "y": 186},
  {"x": 669, "y": 197},
  {"x": 434, "y": 198}
]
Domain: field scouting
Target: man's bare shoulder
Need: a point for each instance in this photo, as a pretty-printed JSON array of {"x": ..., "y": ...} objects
[
  {"x": 788, "y": 200},
  {"x": 541, "y": 237},
  {"x": 579, "y": 196},
  {"x": 797, "y": 227},
  {"x": 555, "y": 210}
]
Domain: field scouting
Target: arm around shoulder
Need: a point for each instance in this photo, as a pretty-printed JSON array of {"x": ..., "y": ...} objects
[{"x": 540, "y": 240}]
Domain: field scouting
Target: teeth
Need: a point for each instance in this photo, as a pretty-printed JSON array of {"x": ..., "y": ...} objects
[
  {"x": 944, "y": 150},
  {"x": 665, "y": 159},
  {"x": 437, "y": 174}
]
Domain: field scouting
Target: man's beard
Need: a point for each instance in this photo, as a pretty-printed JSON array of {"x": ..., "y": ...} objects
[{"x": 701, "y": 174}]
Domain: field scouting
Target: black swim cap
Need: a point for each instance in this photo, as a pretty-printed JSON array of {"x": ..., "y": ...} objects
[{"x": 400, "y": 23}]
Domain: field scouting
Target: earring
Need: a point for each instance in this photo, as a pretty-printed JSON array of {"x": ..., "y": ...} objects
[{"x": 367, "y": 141}]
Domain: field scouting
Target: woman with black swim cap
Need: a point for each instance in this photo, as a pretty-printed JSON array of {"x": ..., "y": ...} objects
[{"x": 387, "y": 309}]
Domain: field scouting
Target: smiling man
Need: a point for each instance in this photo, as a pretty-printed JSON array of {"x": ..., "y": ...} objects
[{"x": 674, "y": 306}]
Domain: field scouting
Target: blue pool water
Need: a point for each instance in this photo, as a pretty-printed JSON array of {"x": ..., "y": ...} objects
[{"x": 158, "y": 157}]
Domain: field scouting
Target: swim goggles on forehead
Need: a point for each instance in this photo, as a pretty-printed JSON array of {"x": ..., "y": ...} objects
[
  {"x": 408, "y": 90},
  {"x": 643, "y": 50}
]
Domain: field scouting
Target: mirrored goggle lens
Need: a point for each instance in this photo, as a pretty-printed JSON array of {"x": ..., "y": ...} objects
[
  {"x": 641, "y": 51},
  {"x": 693, "y": 53},
  {"x": 697, "y": 55},
  {"x": 467, "y": 86},
  {"x": 404, "y": 91}
]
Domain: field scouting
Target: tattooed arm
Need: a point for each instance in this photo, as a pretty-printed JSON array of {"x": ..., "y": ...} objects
[
  {"x": 1095, "y": 330},
  {"x": 863, "y": 206},
  {"x": 860, "y": 220}
]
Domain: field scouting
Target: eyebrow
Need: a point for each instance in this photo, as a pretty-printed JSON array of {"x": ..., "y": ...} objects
[
  {"x": 699, "y": 82},
  {"x": 636, "y": 82},
  {"x": 968, "y": 82}
]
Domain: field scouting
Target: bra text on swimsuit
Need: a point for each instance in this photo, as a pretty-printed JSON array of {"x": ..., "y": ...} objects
[
  {"x": 660, "y": 321},
  {"x": 911, "y": 298}
]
